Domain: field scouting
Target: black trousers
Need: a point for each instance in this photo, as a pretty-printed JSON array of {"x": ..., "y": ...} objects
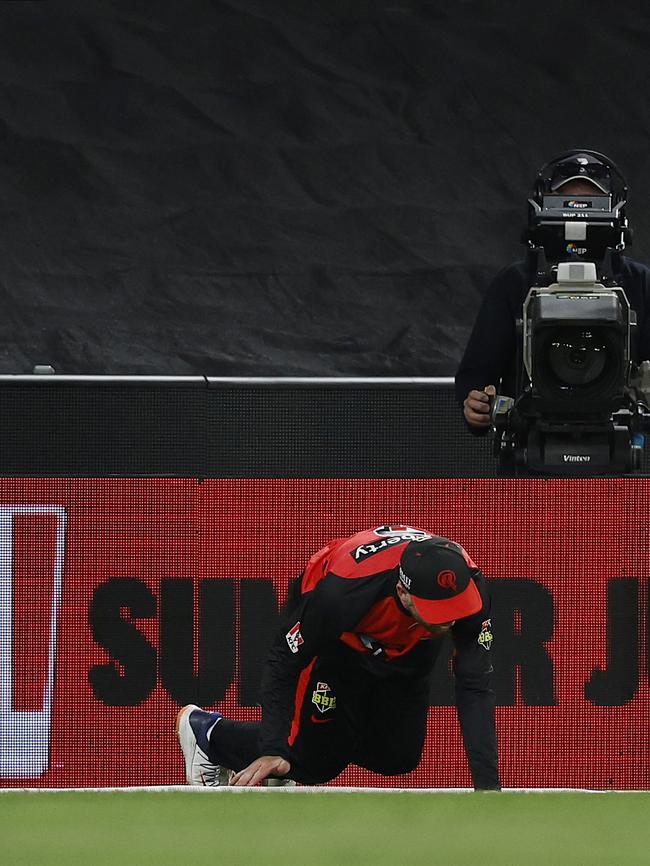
[{"x": 344, "y": 715}]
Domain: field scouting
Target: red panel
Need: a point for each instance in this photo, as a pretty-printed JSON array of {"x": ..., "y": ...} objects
[{"x": 574, "y": 538}]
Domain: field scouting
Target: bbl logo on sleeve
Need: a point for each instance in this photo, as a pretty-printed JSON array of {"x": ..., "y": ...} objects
[
  {"x": 322, "y": 698},
  {"x": 485, "y": 637}
]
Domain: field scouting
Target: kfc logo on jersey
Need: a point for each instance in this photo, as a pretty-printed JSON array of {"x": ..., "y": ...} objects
[{"x": 294, "y": 638}]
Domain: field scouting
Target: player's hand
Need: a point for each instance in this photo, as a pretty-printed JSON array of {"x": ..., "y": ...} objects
[
  {"x": 260, "y": 769},
  {"x": 476, "y": 406}
]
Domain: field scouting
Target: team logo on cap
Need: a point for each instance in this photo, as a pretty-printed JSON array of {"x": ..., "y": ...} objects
[{"x": 447, "y": 579}]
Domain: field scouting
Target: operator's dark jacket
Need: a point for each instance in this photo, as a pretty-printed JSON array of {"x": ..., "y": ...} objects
[
  {"x": 491, "y": 353},
  {"x": 347, "y": 605}
]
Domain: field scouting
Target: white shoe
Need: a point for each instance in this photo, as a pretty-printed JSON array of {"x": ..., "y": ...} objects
[{"x": 192, "y": 727}]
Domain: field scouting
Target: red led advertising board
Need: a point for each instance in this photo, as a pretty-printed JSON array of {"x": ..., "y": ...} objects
[{"x": 122, "y": 599}]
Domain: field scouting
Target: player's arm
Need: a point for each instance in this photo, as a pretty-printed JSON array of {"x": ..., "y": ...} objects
[
  {"x": 295, "y": 646},
  {"x": 315, "y": 621},
  {"x": 475, "y": 698}
]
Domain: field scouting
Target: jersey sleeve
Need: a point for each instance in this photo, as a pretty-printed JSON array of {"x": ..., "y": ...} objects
[
  {"x": 475, "y": 698},
  {"x": 319, "y": 618}
]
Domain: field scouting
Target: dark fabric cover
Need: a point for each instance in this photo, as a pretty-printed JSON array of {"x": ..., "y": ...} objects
[{"x": 278, "y": 187}]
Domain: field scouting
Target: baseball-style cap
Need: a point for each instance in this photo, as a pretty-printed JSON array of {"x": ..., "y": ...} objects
[
  {"x": 438, "y": 576},
  {"x": 581, "y": 166}
]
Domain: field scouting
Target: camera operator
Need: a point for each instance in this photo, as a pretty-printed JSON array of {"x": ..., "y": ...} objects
[{"x": 490, "y": 358}]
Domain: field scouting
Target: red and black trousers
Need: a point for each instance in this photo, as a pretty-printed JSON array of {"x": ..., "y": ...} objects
[{"x": 343, "y": 714}]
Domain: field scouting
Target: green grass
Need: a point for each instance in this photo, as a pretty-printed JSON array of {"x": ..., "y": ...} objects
[{"x": 276, "y": 827}]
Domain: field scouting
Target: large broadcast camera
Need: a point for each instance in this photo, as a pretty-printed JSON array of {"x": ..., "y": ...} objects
[{"x": 581, "y": 405}]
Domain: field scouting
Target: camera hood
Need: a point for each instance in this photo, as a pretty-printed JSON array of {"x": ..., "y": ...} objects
[{"x": 574, "y": 227}]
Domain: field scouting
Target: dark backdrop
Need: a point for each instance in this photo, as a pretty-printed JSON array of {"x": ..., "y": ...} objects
[{"x": 289, "y": 187}]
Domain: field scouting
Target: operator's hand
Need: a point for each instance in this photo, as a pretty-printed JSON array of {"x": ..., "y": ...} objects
[
  {"x": 476, "y": 406},
  {"x": 260, "y": 769}
]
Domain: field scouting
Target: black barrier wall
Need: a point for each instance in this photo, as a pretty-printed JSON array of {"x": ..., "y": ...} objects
[{"x": 229, "y": 428}]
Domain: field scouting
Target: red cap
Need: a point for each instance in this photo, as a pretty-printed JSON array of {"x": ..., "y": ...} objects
[{"x": 438, "y": 575}]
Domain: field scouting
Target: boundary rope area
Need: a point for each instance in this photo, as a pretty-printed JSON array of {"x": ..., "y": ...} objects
[{"x": 307, "y": 789}]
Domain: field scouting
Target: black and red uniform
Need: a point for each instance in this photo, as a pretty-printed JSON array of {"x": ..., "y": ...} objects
[{"x": 347, "y": 679}]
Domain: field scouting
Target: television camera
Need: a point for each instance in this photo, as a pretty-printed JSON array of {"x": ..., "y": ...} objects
[{"x": 581, "y": 404}]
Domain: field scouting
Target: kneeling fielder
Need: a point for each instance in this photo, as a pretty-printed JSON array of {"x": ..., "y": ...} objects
[{"x": 347, "y": 679}]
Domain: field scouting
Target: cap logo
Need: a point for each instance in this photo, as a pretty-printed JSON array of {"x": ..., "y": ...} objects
[{"x": 447, "y": 579}]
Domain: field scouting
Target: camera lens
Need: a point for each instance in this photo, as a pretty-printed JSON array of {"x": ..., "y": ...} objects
[{"x": 576, "y": 356}]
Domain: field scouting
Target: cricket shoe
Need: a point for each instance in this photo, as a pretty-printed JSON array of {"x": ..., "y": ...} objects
[{"x": 192, "y": 728}]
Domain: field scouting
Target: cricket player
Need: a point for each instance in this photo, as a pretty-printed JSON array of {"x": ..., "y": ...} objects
[{"x": 347, "y": 679}]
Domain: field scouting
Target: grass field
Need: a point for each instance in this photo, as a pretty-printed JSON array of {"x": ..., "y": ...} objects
[{"x": 265, "y": 828}]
